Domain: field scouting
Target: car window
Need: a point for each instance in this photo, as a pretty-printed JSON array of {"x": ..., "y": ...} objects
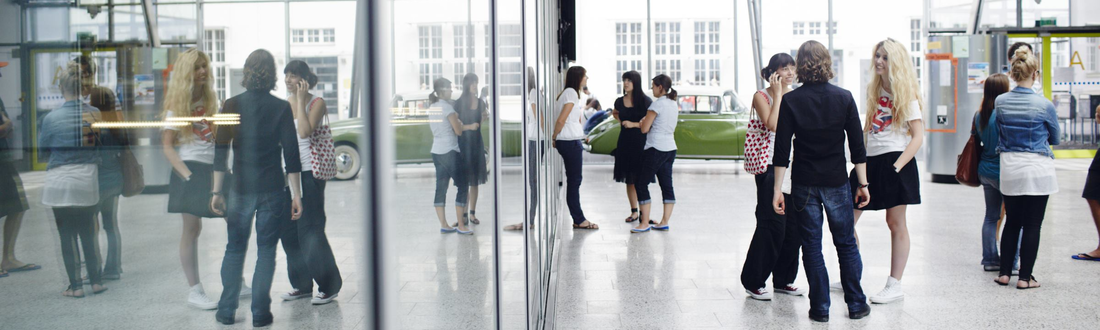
[{"x": 707, "y": 104}]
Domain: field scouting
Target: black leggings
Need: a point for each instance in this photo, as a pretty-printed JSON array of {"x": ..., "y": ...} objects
[
  {"x": 75, "y": 223},
  {"x": 1022, "y": 212}
]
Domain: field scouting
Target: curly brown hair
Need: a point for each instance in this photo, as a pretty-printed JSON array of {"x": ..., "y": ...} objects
[
  {"x": 814, "y": 63},
  {"x": 259, "y": 71}
]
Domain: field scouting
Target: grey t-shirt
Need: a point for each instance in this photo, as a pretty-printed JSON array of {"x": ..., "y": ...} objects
[{"x": 662, "y": 134}]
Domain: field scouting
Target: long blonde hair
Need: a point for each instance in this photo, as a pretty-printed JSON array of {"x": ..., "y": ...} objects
[
  {"x": 903, "y": 83},
  {"x": 179, "y": 98}
]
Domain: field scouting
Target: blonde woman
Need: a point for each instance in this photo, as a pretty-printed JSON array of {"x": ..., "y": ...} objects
[
  {"x": 72, "y": 180},
  {"x": 894, "y": 132},
  {"x": 1027, "y": 126},
  {"x": 190, "y": 150}
]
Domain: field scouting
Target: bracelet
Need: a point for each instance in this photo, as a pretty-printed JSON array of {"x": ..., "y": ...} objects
[
  {"x": 864, "y": 185},
  {"x": 217, "y": 193}
]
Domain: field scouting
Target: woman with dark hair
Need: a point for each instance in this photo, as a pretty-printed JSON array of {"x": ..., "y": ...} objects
[
  {"x": 630, "y": 109},
  {"x": 258, "y": 188},
  {"x": 659, "y": 152},
  {"x": 447, "y": 156},
  {"x": 72, "y": 180},
  {"x": 989, "y": 169},
  {"x": 308, "y": 254},
  {"x": 567, "y": 136},
  {"x": 775, "y": 243},
  {"x": 1027, "y": 125},
  {"x": 472, "y": 110},
  {"x": 822, "y": 116}
]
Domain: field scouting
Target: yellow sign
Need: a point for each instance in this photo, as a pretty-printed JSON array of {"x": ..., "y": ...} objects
[
  {"x": 1076, "y": 60},
  {"x": 935, "y": 45}
]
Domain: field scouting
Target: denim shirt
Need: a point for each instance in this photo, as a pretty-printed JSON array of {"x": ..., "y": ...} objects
[
  {"x": 990, "y": 164},
  {"x": 1026, "y": 122},
  {"x": 61, "y": 135}
]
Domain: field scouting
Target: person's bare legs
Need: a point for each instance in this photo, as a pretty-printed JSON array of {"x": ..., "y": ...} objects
[
  {"x": 632, "y": 196},
  {"x": 189, "y": 248},
  {"x": 857, "y": 213},
  {"x": 899, "y": 240},
  {"x": 667, "y": 214},
  {"x": 472, "y": 203},
  {"x": 644, "y": 216},
  {"x": 460, "y": 211},
  {"x": 11, "y": 232},
  {"x": 1094, "y": 206},
  {"x": 441, "y": 213}
]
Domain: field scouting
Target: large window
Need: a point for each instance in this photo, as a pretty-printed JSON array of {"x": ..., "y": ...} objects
[
  {"x": 706, "y": 38},
  {"x": 464, "y": 41},
  {"x": 214, "y": 44},
  {"x": 326, "y": 69},
  {"x": 628, "y": 50},
  {"x": 312, "y": 36},
  {"x": 707, "y": 51},
  {"x": 511, "y": 70},
  {"x": 431, "y": 41}
]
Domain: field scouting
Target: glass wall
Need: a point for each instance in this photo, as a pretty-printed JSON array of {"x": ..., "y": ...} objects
[{"x": 441, "y": 208}]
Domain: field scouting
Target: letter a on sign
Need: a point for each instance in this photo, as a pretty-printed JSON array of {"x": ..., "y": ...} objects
[{"x": 1076, "y": 60}]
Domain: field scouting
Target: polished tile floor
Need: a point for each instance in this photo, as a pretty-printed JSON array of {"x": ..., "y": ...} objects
[
  {"x": 689, "y": 277},
  {"x": 685, "y": 278}
]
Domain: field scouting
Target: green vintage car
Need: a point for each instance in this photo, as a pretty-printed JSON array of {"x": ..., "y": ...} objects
[
  {"x": 712, "y": 126},
  {"x": 413, "y": 136}
]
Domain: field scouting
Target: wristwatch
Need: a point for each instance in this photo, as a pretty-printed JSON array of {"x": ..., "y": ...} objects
[{"x": 864, "y": 185}]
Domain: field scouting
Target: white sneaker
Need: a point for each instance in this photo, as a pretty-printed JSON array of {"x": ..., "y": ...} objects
[
  {"x": 323, "y": 298},
  {"x": 791, "y": 290},
  {"x": 245, "y": 290},
  {"x": 891, "y": 293},
  {"x": 760, "y": 294},
  {"x": 197, "y": 298},
  {"x": 295, "y": 295},
  {"x": 836, "y": 286}
]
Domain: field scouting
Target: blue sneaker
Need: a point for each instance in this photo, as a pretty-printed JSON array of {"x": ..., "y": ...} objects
[
  {"x": 468, "y": 232},
  {"x": 447, "y": 231},
  {"x": 636, "y": 230},
  {"x": 664, "y": 228}
]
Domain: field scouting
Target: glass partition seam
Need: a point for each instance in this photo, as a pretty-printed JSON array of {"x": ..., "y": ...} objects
[
  {"x": 376, "y": 156},
  {"x": 526, "y": 187},
  {"x": 494, "y": 58}
]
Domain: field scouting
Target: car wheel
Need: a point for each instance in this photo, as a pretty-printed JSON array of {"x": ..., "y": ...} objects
[{"x": 347, "y": 162}]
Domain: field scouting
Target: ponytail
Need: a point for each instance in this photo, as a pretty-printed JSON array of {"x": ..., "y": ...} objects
[
  {"x": 666, "y": 83},
  {"x": 440, "y": 84},
  {"x": 671, "y": 94},
  {"x": 432, "y": 98}
]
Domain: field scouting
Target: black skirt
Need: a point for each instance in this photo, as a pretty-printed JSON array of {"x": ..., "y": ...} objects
[
  {"x": 1092, "y": 182},
  {"x": 12, "y": 197},
  {"x": 192, "y": 196},
  {"x": 888, "y": 188}
]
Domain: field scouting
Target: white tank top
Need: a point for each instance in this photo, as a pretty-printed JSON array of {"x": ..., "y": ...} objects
[{"x": 304, "y": 153}]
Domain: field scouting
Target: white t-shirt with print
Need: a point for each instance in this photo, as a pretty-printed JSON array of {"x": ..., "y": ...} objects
[
  {"x": 884, "y": 137},
  {"x": 201, "y": 147},
  {"x": 574, "y": 124}
]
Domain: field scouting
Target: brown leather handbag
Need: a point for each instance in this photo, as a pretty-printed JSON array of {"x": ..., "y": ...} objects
[
  {"x": 133, "y": 176},
  {"x": 966, "y": 171}
]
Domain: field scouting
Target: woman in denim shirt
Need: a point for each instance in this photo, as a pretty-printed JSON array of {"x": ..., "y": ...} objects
[
  {"x": 1027, "y": 125},
  {"x": 72, "y": 185},
  {"x": 989, "y": 169}
]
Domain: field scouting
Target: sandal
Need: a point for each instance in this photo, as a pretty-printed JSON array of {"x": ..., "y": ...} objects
[
  {"x": 473, "y": 218},
  {"x": 590, "y": 225},
  {"x": 1086, "y": 257},
  {"x": 632, "y": 219},
  {"x": 1005, "y": 283},
  {"x": 514, "y": 227},
  {"x": 69, "y": 292},
  {"x": 1029, "y": 286}
]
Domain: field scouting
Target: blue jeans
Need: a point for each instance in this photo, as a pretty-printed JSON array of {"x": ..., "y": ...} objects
[
  {"x": 267, "y": 208},
  {"x": 572, "y": 156},
  {"x": 807, "y": 203},
  {"x": 656, "y": 163},
  {"x": 993, "y": 202}
]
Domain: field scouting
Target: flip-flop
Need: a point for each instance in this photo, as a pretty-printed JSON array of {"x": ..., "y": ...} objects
[
  {"x": 631, "y": 219},
  {"x": 590, "y": 226},
  {"x": 1085, "y": 257},
  {"x": 25, "y": 268}
]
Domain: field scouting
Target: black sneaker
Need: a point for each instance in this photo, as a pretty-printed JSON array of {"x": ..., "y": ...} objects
[
  {"x": 227, "y": 320},
  {"x": 258, "y": 323},
  {"x": 859, "y": 314},
  {"x": 819, "y": 318}
]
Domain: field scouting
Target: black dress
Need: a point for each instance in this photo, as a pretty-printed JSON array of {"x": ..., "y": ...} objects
[
  {"x": 471, "y": 143},
  {"x": 628, "y": 150}
]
